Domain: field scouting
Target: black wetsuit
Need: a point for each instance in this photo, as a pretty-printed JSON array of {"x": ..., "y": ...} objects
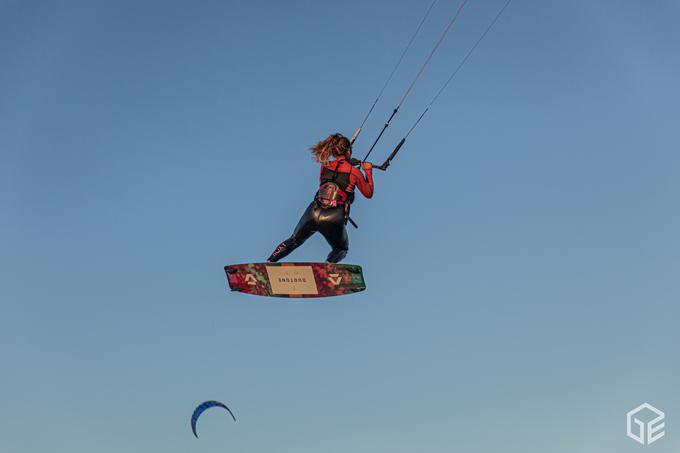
[{"x": 329, "y": 220}]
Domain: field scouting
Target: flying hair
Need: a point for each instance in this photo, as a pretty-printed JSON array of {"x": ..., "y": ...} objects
[{"x": 335, "y": 145}]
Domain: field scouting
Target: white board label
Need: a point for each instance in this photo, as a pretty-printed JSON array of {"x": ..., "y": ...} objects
[{"x": 292, "y": 280}]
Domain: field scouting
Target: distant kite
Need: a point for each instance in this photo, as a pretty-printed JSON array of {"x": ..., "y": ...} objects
[{"x": 202, "y": 408}]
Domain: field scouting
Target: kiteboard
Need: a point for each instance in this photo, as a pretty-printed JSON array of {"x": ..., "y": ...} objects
[{"x": 295, "y": 279}]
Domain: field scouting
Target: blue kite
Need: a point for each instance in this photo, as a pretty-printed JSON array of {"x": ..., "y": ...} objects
[{"x": 202, "y": 408}]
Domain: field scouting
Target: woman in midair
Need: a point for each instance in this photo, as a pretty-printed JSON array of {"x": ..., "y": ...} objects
[{"x": 329, "y": 211}]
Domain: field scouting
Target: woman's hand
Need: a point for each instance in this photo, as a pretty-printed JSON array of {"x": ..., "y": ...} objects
[{"x": 366, "y": 166}]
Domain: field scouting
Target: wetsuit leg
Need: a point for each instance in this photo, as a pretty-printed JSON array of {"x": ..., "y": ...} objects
[
  {"x": 332, "y": 227},
  {"x": 304, "y": 229}
]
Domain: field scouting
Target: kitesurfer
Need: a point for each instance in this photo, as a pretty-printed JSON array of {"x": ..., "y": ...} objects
[{"x": 329, "y": 211}]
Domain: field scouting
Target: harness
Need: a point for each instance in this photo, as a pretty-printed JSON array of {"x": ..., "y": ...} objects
[{"x": 331, "y": 193}]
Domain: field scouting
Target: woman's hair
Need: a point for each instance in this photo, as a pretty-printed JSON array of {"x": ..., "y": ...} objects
[{"x": 335, "y": 145}]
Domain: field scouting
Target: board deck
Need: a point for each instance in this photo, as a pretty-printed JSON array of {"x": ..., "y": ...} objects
[{"x": 295, "y": 279}]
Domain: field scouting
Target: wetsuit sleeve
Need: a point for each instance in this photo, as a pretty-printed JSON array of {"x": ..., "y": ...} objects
[{"x": 365, "y": 185}]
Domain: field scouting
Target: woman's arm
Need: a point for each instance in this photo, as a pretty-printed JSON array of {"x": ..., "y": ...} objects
[{"x": 365, "y": 185}]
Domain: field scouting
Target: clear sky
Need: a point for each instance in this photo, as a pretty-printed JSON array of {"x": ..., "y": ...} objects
[{"x": 522, "y": 253}]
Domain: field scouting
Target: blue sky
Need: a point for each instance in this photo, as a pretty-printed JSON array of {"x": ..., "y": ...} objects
[{"x": 521, "y": 254}]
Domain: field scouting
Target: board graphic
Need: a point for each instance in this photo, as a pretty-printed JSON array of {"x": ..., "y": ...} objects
[{"x": 295, "y": 279}]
